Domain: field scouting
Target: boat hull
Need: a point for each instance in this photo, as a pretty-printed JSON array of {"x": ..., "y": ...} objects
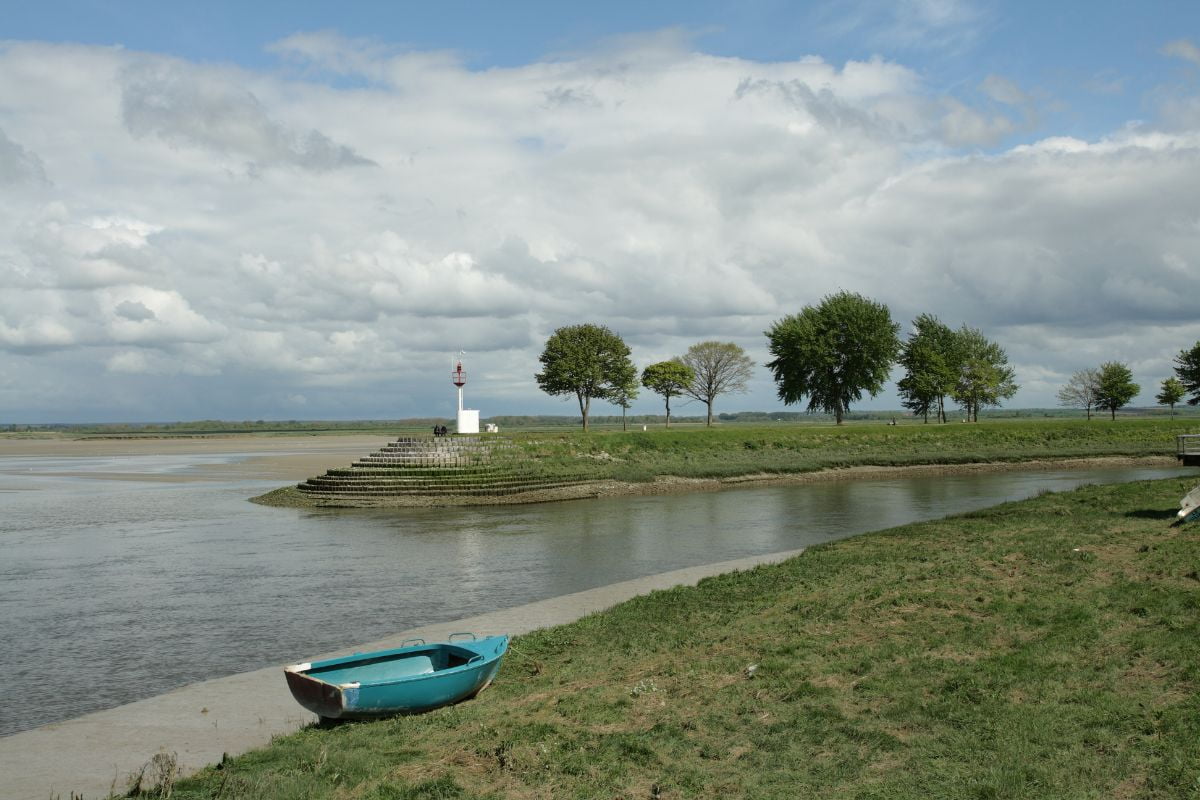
[{"x": 406, "y": 680}]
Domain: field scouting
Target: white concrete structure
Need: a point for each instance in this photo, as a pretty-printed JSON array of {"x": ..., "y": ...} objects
[{"x": 468, "y": 418}]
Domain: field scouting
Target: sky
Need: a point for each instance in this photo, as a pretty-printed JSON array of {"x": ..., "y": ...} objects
[{"x": 295, "y": 211}]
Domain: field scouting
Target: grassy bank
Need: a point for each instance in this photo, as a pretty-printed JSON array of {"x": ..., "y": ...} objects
[
  {"x": 1048, "y": 648},
  {"x": 733, "y": 451},
  {"x": 723, "y": 452}
]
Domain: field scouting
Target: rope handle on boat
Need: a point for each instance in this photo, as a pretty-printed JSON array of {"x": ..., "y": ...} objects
[
  {"x": 462, "y": 633},
  {"x": 415, "y": 640}
]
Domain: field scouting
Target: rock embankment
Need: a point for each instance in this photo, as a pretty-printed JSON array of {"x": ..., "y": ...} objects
[{"x": 460, "y": 466}]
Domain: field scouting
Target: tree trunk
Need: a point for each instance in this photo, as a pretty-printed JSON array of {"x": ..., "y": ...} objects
[
  {"x": 926, "y": 415},
  {"x": 837, "y": 414},
  {"x": 1114, "y": 413},
  {"x": 709, "y": 423},
  {"x": 623, "y": 418},
  {"x": 1089, "y": 412},
  {"x": 584, "y": 403},
  {"x": 668, "y": 410}
]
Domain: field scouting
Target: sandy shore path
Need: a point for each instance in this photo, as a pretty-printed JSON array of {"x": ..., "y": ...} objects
[
  {"x": 95, "y": 754},
  {"x": 234, "y": 457}
]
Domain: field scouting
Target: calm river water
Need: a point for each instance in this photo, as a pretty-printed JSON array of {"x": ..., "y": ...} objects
[{"x": 111, "y": 591}]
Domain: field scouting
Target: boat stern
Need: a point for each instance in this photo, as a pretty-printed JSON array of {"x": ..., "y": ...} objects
[{"x": 323, "y": 699}]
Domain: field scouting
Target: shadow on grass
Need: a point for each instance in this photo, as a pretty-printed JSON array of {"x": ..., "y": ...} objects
[{"x": 1151, "y": 513}]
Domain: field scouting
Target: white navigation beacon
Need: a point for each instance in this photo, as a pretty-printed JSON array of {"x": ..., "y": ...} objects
[{"x": 468, "y": 418}]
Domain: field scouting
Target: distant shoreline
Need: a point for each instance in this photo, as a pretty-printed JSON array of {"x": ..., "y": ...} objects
[{"x": 274, "y": 458}]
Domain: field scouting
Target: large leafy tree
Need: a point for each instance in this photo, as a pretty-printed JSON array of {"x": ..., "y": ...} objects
[
  {"x": 668, "y": 378},
  {"x": 1115, "y": 388},
  {"x": 720, "y": 368},
  {"x": 984, "y": 376},
  {"x": 930, "y": 361},
  {"x": 1187, "y": 369},
  {"x": 1081, "y": 391},
  {"x": 1171, "y": 391},
  {"x": 833, "y": 352},
  {"x": 588, "y": 361}
]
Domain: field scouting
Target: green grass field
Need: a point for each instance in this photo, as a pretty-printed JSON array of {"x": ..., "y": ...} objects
[
  {"x": 741, "y": 450},
  {"x": 1043, "y": 649}
]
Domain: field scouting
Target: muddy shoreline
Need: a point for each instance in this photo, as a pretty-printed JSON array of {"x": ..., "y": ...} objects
[
  {"x": 294, "y": 458},
  {"x": 290, "y": 497}
]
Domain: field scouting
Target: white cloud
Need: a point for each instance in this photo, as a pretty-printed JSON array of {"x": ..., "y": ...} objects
[
  {"x": 963, "y": 125},
  {"x": 1002, "y": 90},
  {"x": 934, "y": 25},
  {"x": 673, "y": 195},
  {"x": 1182, "y": 48},
  {"x": 18, "y": 165},
  {"x": 186, "y": 106}
]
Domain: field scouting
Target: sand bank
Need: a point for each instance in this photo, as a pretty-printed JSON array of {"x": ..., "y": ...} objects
[{"x": 232, "y": 457}]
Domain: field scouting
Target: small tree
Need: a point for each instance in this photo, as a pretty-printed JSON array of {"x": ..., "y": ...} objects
[
  {"x": 930, "y": 362},
  {"x": 984, "y": 377},
  {"x": 1081, "y": 391},
  {"x": 588, "y": 361},
  {"x": 720, "y": 368},
  {"x": 668, "y": 378},
  {"x": 1187, "y": 369},
  {"x": 1116, "y": 387},
  {"x": 624, "y": 393},
  {"x": 833, "y": 352},
  {"x": 1172, "y": 392}
]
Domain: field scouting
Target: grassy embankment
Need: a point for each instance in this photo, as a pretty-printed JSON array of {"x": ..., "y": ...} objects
[
  {"x": 731, "y": 451},
  {"x": 725, "y": 452},
  {"x": 1048, "y": 648}
]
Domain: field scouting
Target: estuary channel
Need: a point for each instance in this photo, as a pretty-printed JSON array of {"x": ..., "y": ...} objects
[{"x": 115, "y": 590}]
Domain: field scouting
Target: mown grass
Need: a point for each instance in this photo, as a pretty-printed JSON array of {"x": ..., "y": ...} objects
[
  {"x": 726, "y": 452},
  {"x": 1043, "y": 649}
]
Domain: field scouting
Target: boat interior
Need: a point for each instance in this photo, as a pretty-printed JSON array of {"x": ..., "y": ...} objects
[{"x": 382, "y": 667}]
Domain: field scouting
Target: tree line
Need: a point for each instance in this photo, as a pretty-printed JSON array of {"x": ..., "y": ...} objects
[
  {"x": 591, "y": 362},
  {"x": 830, "y": 353},
  {"x": 1110, "y": 387}
]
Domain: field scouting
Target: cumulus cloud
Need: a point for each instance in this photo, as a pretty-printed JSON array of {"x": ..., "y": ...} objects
[
  {"x": 671, "y": 194},
  {"x": 18, "y": 165},
  {"x": 188, "y": 107},
  {"x": 963, "y": 125}
]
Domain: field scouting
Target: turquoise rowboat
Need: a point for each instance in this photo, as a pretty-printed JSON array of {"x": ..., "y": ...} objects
[{"x": 408, "y": 680}]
